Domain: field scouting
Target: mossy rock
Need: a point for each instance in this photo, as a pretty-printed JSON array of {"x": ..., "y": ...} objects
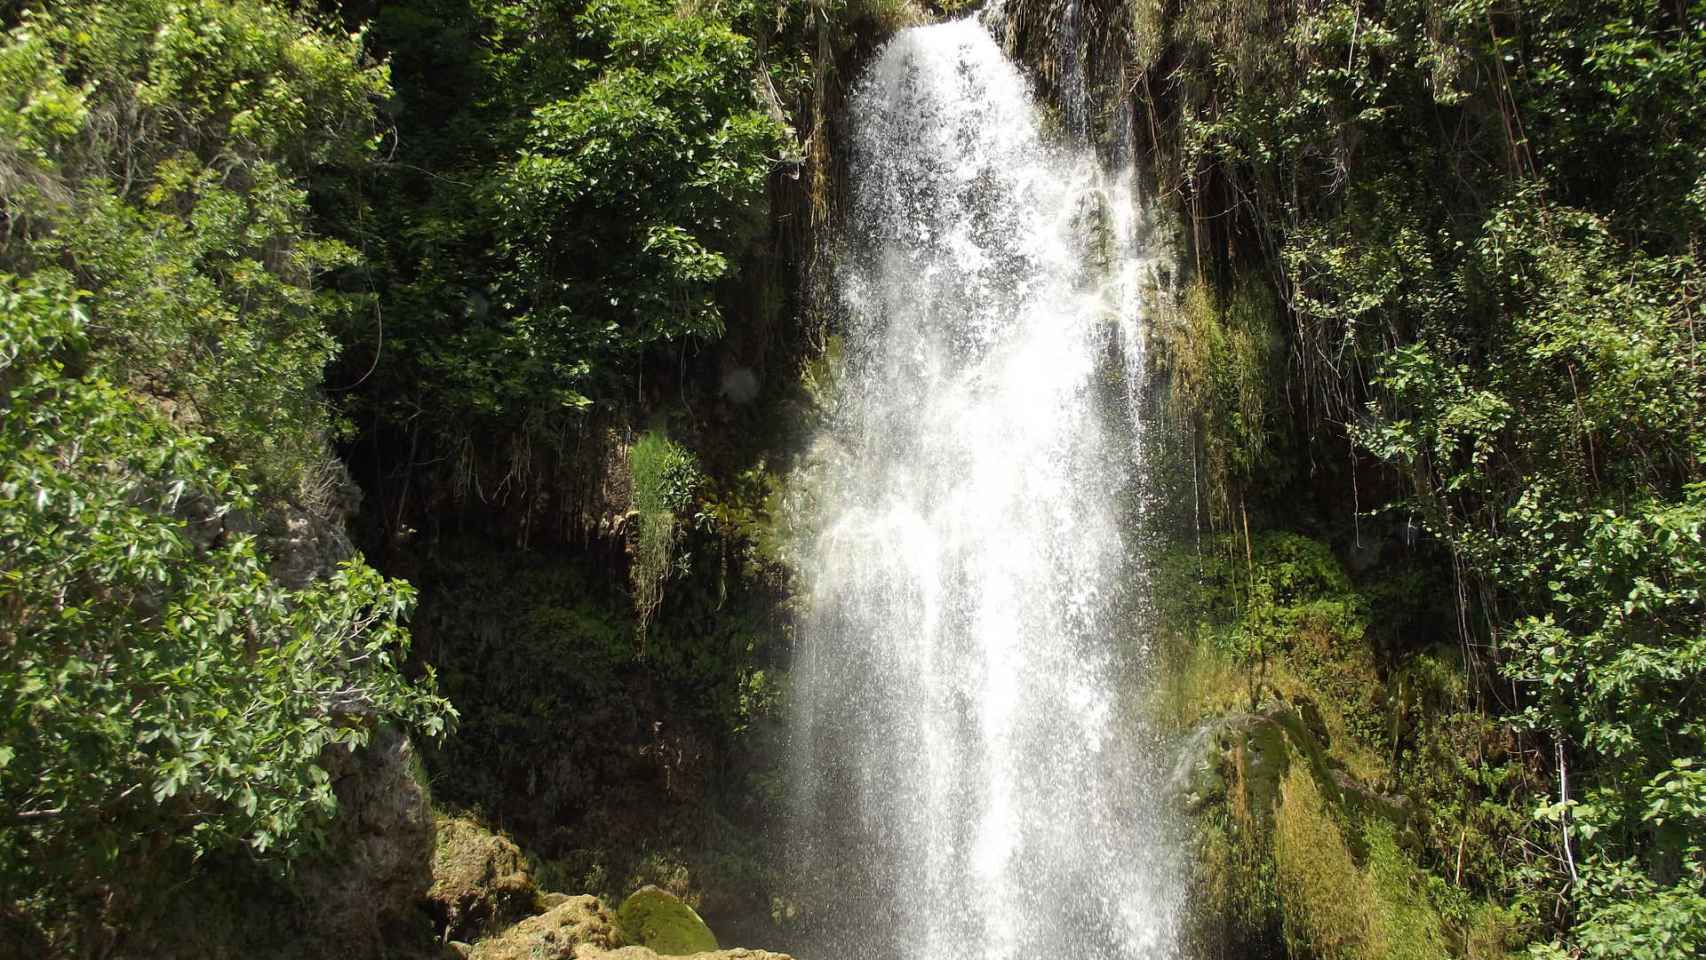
[
  {"x": 577, "y": 926},
  {"x": 480, "y": 880},
  {"x": 660, "y": 921},
  {"x": 1250, "y": 752},
  {"x": 1293, "y": 851},
  {"x": 644, "y": 953}
]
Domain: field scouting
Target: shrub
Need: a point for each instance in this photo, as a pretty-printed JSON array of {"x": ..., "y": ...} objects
[{"x": 158, "y": 691}]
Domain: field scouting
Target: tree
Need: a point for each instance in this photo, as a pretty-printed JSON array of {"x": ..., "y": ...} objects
[{"x": 155, "y": 683}]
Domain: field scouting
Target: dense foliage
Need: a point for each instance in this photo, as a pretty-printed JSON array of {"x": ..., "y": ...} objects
[
  {"x": 157, "y": 683},
  {"x": 569, "y": 193},
  {"x": 1484, "y": 222},
  {"x": 163, "y": 695},
  {"x": 665, "y": 478},
  {"x": 159, "y": 153}
]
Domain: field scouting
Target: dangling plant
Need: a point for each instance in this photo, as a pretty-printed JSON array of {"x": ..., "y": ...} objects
[{"x": 666, "y": 478}]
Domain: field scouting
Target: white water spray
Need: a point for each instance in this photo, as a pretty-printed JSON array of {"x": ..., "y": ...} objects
[{"x": 973, "y": 781}]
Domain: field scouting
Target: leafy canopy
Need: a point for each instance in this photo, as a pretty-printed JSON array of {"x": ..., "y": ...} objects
[
  {"x": 161, "y": 152},
  {"x": 154, "y": 681}
]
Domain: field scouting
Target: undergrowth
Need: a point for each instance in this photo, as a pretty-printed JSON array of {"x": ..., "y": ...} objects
[{"x": 1398, "y": 857}]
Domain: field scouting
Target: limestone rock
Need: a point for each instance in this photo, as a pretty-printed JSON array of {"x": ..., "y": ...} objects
[
  {"x": 479, "y": 880},
  {"x": 582, "y": 928},
  {"x": 367, "y": 894},
  {"x": 307, "y": 540},
  {"x": 579, "y": 927},
  {"x": 641, "y": 953}
]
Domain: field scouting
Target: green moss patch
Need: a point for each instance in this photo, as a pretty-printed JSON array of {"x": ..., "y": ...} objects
[
  {"x": 661, "y": 922},
  {"x": 480, "y": 880}
]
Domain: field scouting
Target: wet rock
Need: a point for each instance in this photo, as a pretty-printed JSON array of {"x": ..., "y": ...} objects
[
  {"x": 1369, "y": 803},
  {"x": 1251, "y": 752}
]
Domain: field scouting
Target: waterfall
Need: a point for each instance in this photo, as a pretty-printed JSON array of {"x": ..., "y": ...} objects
[{"x": 973, "y": 779}]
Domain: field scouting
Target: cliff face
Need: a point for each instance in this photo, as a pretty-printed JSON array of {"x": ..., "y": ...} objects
[{"x": 366, "y": 897}]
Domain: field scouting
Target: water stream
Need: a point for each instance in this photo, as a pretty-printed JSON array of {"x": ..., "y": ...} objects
[{"x": 974, "y": 780}]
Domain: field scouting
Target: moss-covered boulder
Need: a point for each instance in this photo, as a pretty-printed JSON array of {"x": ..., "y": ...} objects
[
  {"x": 644, "y": 953},
  {"x": 480, "y": 880},
  {"x": 577, "y": 927},
  {"x": 582, "y": 928},
  {"x": 1295, "y": 856},
  {"x": 1249, "y": 754},
  {"x": 661, "y": 922}
]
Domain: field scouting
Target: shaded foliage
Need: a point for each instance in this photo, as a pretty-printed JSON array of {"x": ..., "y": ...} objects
[
  {"x": 569, "y": 194},
  {"x": 166, "y": 701}
]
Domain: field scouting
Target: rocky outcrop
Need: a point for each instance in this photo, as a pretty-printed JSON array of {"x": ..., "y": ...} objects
[
  {"x": 641, "y": 953},
  {"x": 480, "y": 880},
  {"x": 305, "y": 539},
  {"x": 364, "y": 895},
  {"x": 1249, "y": 754},
  {"x": 1293, "y": 853},
  {"x": 583, "y": 928},
  {"x": 575, "y": 928}
]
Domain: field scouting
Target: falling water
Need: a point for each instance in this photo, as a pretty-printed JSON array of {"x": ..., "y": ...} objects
[{"x": 974, "y": 782}]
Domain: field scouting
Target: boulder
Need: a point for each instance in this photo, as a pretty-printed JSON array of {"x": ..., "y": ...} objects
[
  {"x": 578, "y": 927},
  {"x": 642, "y": 953},
  {"x": 582, "y": 928},
  {"x": 480, "y": 880},
  {"x": 660, "y": 921},
  {"x": 1252, "y": 752}
]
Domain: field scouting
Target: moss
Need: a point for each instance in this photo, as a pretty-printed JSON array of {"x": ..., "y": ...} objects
[
  {"x": 1302, "y": 789},
  {"x": 662, "y": 922},
  {"x": 1233, "y": 890},
  {"x": 1282, "y": 618},
  {"x": 666, "y": 479},
  {"x": 1491, "y": 933},
  {"x": 556, "y": 935},
  {"x": 891, "y": 16},
  {"x": 1291, "y": 850},
  {"x": 480, "y": 880},
  {"x": 1195, "y": 681},
  {"x": 1414, "y": 928},
  {"x": 1220, "y": 355},
  {"x": 1332, "y": 906},
  {"x": 1324, "y": 895},
  {"x": 822, "y": 375}
]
